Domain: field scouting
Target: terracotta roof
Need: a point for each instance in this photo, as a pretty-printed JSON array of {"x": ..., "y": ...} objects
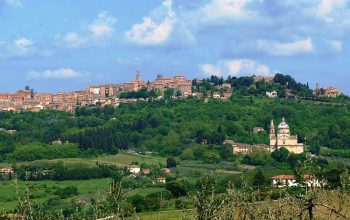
[
  {"x": 283, "y": 177},
  {"x": 308, "y": 176}
]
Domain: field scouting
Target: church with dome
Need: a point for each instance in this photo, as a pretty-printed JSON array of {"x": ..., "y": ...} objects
[{"x": 284, "y": 139}]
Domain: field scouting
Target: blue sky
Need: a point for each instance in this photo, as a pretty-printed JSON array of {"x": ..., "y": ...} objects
[{"x": 64, "y": 45}]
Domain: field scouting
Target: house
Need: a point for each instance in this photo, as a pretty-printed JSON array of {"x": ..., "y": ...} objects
[
  {"x": 227, "y": 95},
  {"x": 146, "y": 171},
  {"x": 216, "y": 95},
  {"x": 272, "y": 94},
  {"x": 161, "y": 180},
  {"x": 284, "y": 181},
  {"x": 7, "y": 171},
  {"x": 166, "y": 170},
  {"x": 57, "y": 142},
  {"x": 8, "y": 131},
  {"x": 257, "y": 130},
  {"x": 242, "y": 148},
  {"x": 134, "y": 169},
  {"x": 198, "y": 95},
  {"x": 227, "y": 86},
  {"x": 290, "y": 94},
  {"x": 307, "y": 181},
  {"x": 327, "y": 91}
]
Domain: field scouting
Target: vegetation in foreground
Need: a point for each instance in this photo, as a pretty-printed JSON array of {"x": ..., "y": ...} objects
[
  {"x": 246, "y": 203},
  {"x": 67, "y": 158}
]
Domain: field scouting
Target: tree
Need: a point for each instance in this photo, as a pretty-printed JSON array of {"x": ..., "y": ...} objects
[
  {"x": 176, "y": 189},
  {"x": 315, "y": 148},
  {"x": 280, "y": 155},
  {"x": 178, "y": 93},
  {"x": 170, "y": 162},
  {"x": 208, "y": 205},
  {"x": 168, "y": 92},
  {"x": 259, "y": 179}
]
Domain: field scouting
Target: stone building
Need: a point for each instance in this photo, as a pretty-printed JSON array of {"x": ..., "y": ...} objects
[
  {"x": 178, "y": 83},
  {"x": 268, "y": 79},
  {"x": 284, "y": 138},
  {"x": 326, "y": 91},
  {"x": 109, "y": 90},
  {"x": 134, "y": 85},
  {"x": 19, "y": 97},
  {"x": 242, "y": 148}
]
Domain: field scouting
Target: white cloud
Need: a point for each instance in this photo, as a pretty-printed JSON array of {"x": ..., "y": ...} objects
[
  {"x": 224, "y": 8},
  {"x": 103, "y": 26},
  {"x": 152, "y": 30},
  {"x": 327, "y": 8},
  {"x": 73, "y": 39},
  {"x": 235, "y": 67},
  {"x": 15, "y": 3},
  {"x": 98, "y": 32},
  {"x": 333, "y": 10},
  {"x": 209, "y": 69},
  {"x": 22, "y": 45},
  {"x": 335, "y": 45},
  {"x": 277, "y": 48},
  {"x": 246, "y": 66},
  {"x": 62, "y": 73},
  {"x": 18, "y": 47}
]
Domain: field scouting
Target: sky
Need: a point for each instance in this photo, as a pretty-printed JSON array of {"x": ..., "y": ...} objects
[{"x": 65, "y": 45}]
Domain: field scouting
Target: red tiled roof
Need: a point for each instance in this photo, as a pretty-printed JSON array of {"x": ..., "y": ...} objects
[{"x": 283, "y": 177}]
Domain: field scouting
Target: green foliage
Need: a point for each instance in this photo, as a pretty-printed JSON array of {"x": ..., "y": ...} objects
[
  {"x": 168, "y": 92},
  {"x": 280, "y": 155},
  {"x": 59, "y": 171},
  {"x": 200, "y": 151},
  {"x": 258, "y": 157},
  {"x": 335, "y": 153},
  {"x": 38, "y": 151},
  {"x": 142, "y": 93},
  {"x": 259, "y": 179},
  {"x": 170, "y": 162},
  {"x": 176, "y": 189},
  {"x": 66, "y": 192}
]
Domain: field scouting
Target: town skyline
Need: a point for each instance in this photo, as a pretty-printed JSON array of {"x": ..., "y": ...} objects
[{"x": 60, "y": 46}]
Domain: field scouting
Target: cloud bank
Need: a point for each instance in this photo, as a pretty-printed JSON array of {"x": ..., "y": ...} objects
[
  {"x": 235, "y": 67},
  {"x": 63, "y": 73}
]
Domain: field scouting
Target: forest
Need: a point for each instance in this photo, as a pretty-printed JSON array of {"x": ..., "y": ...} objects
[{"x": 173, "y": 127}]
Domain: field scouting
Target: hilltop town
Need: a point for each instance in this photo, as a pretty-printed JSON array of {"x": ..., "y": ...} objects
[
  {"x": 251, "y": 131},
  {"x": 114, "y": 94}
]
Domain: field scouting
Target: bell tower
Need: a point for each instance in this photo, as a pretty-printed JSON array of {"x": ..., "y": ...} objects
[
  {"x": 273, "y": 140},
  {"x": 138, "y": 76}
]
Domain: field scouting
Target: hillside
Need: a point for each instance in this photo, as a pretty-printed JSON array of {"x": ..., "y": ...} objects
[{"x": 170, "y": 126}]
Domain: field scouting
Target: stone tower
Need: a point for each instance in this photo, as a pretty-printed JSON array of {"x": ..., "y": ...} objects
[
  {"x": 273, "y": 140},
  {"x": 138, "y": 76}
]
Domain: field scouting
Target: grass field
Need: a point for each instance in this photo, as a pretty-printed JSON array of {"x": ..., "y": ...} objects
[
  {"x": 166, "y": 215},
  {"x": 42, "y": 190},
  {"x": 122, "y": 159}
]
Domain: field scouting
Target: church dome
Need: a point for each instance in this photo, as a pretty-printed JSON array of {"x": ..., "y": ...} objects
[{"x": 283, "y": 124}]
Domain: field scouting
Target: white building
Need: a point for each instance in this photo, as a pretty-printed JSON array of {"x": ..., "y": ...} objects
[
  {"x": 272, "y": 94},
  {"x": 283, "y": 138},
  {"x": 307, "y": 181},
  {"x": 134, "y": 169},
  {"x": 216, "y": 95}
]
